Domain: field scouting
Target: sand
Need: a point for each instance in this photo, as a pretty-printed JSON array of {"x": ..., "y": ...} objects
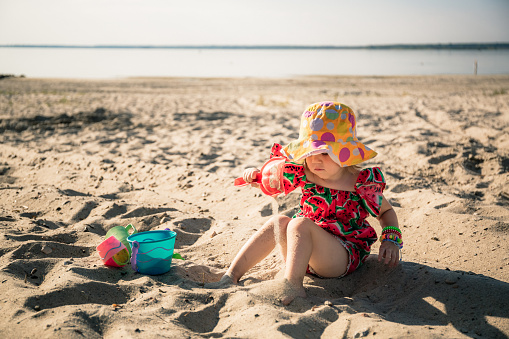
[{"x": 78, "y": 157}]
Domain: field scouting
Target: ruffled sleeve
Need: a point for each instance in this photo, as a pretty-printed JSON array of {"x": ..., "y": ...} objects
[
  {"x": 293, "y": 173},
  {"x": 277, "y": 151},
  {"x": 370, "y": 186}
]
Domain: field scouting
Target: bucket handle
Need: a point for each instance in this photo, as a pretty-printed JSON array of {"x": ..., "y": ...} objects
[
  {"x": 130, "y": 226},
  {"x": 135, "y": 246}
]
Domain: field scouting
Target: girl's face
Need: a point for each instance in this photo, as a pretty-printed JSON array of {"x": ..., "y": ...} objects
[{"x": 323, "y": 166}]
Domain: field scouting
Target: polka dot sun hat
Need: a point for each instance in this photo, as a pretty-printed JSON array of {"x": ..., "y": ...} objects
[{"x": 329, "y": 127}]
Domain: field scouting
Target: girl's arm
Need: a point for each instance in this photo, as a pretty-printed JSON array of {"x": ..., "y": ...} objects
[{"x": 388, "y": 250}]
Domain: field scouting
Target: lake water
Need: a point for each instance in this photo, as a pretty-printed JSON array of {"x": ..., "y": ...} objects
[{"x": 97, "y": 63}]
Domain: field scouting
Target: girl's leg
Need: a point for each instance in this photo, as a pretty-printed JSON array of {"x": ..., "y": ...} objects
[
  {"x": 257, "y": 247},
  {"x": 309, "y": 244}
]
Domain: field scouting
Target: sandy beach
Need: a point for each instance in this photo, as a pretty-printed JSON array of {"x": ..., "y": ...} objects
[{"x": 78, "y": 157}]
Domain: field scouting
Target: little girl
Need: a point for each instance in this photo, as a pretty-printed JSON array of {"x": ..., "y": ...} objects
[{"x": 329, "y": 235}]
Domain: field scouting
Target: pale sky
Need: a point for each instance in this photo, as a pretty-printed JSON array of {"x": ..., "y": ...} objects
[{"x": 255, "y": 22}]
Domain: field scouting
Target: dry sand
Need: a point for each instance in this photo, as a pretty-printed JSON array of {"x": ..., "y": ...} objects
[{"x": 79, "y": 157}]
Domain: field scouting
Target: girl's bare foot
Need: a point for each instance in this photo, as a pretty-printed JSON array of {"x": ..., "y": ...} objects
[
  {"x": 225, "y": 282},
  {"x": 290, "y": 292}
]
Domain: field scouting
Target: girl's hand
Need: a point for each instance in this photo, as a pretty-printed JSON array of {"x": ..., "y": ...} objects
[
  {"x": 249, "y": 175},
  {"x": 389, "y": 253}
]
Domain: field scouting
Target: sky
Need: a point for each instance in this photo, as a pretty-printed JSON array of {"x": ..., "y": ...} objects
[{"x": 255, "y": 22}]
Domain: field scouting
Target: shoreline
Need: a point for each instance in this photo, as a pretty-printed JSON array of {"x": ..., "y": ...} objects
[{"x": 437, "y": 46}]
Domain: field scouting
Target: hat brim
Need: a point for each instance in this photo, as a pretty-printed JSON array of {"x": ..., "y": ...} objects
[{"x": 348, "y": 153}]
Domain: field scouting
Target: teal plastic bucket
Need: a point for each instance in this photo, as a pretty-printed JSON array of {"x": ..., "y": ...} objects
[{"x": 152, "y": 251}]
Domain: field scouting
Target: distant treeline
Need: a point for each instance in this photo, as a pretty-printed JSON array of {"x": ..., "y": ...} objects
[{"x": 456, "y": 46}]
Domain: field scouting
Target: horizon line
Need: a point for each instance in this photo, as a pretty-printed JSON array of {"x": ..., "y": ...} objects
[{"x": 472, "y": 45}]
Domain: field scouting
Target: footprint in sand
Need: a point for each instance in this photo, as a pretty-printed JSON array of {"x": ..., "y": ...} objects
[
  {"x": 77, "y": 294},
  {"x": 204, "y": 319},
  {"x": 189, "y": 230}
]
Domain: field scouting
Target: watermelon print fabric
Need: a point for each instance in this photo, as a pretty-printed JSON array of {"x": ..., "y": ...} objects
[{"x": 341, "y": 213}]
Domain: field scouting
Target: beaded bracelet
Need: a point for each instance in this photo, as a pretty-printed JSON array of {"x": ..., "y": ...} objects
[
  {"x": 392, "y": 238},
  {"x": 393, "y": 232},
  {"x": 391, "y": 229}
]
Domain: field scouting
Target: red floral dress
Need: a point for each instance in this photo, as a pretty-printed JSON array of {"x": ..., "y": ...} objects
[{"x": 341, "y": 213}]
